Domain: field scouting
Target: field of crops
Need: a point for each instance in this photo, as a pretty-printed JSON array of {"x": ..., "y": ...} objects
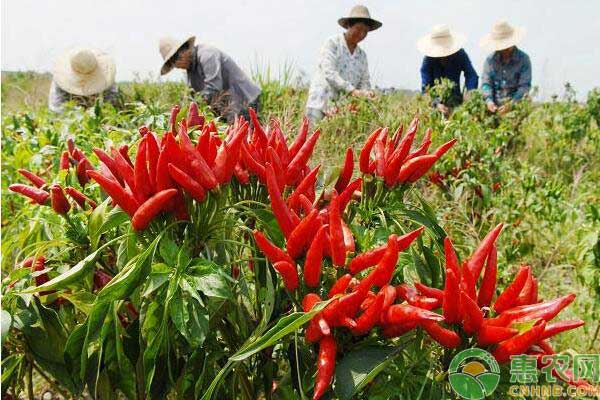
[{"x": 203, "y": 294}]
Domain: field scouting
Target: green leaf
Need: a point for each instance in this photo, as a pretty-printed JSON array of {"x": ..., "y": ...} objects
[
  {"x": 168, "y": 251},
  {"x": 359, "y": 367},
  {"x": 190, "y": 319},
  {"x": 10, "y": 368},
  {"x": 101, "y": 222},
  {"x": 210, "y": 280},
  {"x": 82, "y": 300},
  {"x": 5, "y": 324},
  {"x": 129, "y": 278},
  {"x": 74, "y": 274}
]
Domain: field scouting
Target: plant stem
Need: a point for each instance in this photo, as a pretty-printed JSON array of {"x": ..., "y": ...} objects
[
  {"x": 595, "y": 336},
  {"x": 30, "y": 381}
]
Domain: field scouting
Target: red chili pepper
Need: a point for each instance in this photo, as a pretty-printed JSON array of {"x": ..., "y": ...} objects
[
  {"x": 302, "y": 234},
  {"x": 426, "y": 303},
  {"x": 303, "y": 187},
  {"x": 258, "y": 129},
  {"x": 451, "y": 258},
  {"x": 471, "y": 314},
  {"x": 444, "y": 148},
  {"x": 488, "y": 335},
  {"x": 451, "y": 302},
  {"x": 488, "y": 282},
  {"x": 346, "y": 172},
  {"x": 429, "y": 291},
  {"x": 526, "y": 292},
  {"x": 372, "y": 257},
  {"x": 79, "y": 197},
  {"x": 39, "y": 196},
  {"x": 125, "y": 170},
  {"x": 300, "y": 159},
  {"x": 349, "y": 243},
  {"x": 143, "y": 186},
  {"x": 124, "y": 151},
  {"x": 109, "y": 163},
  {"x": 406, "y": 292},
  {"x": 559, "y": 327},
  {"x": 70, "y": 145},
  {"x": 77, "y": 155},
  {"x": 314, "y": 258},
  {"x": 38, "y": 264},
  {"x": 33, "y": 178},
  {"x": 325, "y": 366},
  {"x": 339, "y": 311},
  {"x": 173, "y": 120},
  {"x": 389, "y": 295},
  {"x": 123, "y": 199},
  {"x": 152, "y": 154},
  {"x": 305, "y": 204},
  {"x": 253, "y": 166},
  {"x": 365, "y": 153},
  {"x": 288, "y": 273},
  {"x": 509, "y": 296},
  {"x": 379, "y": 157},
  {"x": 423, "y": 147},
  {"x": 467, "y": 283},
  {"x": 546, "y": 310},
  {"x": 59, "y": 202},
  {"x": 368, "y": 319},
  {"x": 241, "y": 174},
  {"x": 300, "y": 138},
  {"x": 336, "y": 233},
  {"x": 151, "y": 208},
  {"x": 273, "y": 253},
  {"x": 229, "y": 154},
  {"x": 193, "y": 118},
  {"x": 278, "y": 206},
  {"x": 403, "y": 313},
  {"x": 475, "y": 263},
  {"x": 446, "y": 337},
  {"x": 65, "y": 162},
  {"x": 317, "y": 327},
  {"x": 518, "y": 344},
  {"x": 277, "y": 167},
  {"x": 83, "y": 166},
  {"x": 340, "y": 286},
  {"x": 187, "y": 183},
  {"x": 345, "y": 197},
  {"x": 415, "y": 165}
]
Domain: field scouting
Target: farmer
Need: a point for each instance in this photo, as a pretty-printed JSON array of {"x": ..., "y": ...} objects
[
  {"x": 82, "y": 74},
  {"x": 507, "y": 71},
  {"x": 212, "y": 73},
  {"x": 445, "y": 58},
  {"x": 342, "y": 66}
]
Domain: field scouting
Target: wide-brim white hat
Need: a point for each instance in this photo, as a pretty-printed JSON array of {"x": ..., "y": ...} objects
[
  {"x": 84, "y": 71},
  {"x": 168, "y": 46},
  {"x": 360, "y": 13},
  {"x": 502, "y": 36},
  {"x": 441, "y": 42}
]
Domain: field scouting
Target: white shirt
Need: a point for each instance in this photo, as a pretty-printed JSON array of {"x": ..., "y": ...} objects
[{"x": 338, "y": 71}]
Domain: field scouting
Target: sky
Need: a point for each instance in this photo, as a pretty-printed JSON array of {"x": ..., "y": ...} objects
[{"x": 563, "y": 37}]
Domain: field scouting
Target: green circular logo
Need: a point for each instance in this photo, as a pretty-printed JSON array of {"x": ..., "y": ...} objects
[{"x": 474, "y": 374}]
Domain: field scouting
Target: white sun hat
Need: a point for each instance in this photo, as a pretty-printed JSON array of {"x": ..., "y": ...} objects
[
  {"x": 441, "y": 42},
  {"x": 502, "y": 36},
  {"x": 84, "y": 71},
  {"x": 359, "y": 12},
  {"x": 168, "y": 46}
]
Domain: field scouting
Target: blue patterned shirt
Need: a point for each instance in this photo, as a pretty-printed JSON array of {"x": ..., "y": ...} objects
[{"x": 501, "y": 82}]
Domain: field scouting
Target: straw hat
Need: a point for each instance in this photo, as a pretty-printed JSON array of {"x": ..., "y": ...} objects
[
  {"x": 84, "y": 71},
  {"x": 441, "y": 42},
  {"x": 502, "y": 36},
  {"x": 168, "y": 47},
  {"x": 361, "y": 13}
]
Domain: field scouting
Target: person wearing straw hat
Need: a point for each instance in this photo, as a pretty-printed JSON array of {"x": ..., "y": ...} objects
[
  {"x": 507, "y": 71},
  {"x": 342, "y": 67},
  {"x": 81, "y": 74},
  {"x": 212, "y": 73},
  {"x": 446, "y": 58}
]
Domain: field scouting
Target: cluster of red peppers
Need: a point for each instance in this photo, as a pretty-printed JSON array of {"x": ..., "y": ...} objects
[{"x": 393, "y": 160}]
